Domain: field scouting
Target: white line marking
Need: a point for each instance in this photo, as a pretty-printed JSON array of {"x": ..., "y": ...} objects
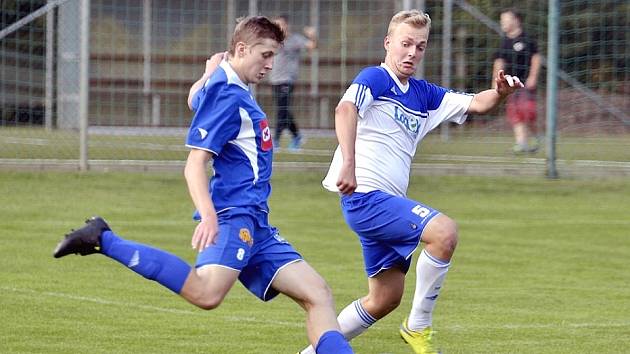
[
  {"x": 230, "y": 318},
  {"x": 507, "y": 326}
]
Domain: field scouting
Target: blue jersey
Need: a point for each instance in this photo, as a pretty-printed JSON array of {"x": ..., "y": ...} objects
[{"x": 229, "y": 123}]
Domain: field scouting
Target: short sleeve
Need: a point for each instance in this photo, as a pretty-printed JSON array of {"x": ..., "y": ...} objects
[
  {"x": 533, "y": 46},
  {"x": 215, "y": 122},
  {"x": 451, "y": 106},
  {"x": 197, "y": 97},
  {"x": 368, "y": 85},
  {"x": 434, "y": 94},
  {"x": 298, "y": 42},
  {"x": 504, "y": 48}
]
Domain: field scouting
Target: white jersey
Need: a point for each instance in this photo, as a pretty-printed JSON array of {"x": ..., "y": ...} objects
[{"x": 393, "y": 119}]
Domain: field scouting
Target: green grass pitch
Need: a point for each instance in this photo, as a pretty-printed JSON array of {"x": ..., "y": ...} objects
[{"x": 542, "y": 267}]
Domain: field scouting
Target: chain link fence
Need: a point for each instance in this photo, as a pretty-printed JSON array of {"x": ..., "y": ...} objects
[{"x": 142, "y": 57}]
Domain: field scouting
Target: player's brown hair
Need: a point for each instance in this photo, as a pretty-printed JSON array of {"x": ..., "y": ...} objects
[
  {"x": 415, "y": 18},
  {"x": 249, "y": 29}
]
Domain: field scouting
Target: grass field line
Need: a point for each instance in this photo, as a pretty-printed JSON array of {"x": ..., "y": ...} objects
[
  {"x": 97, "y": 300},
  {"x": 463, "y": 221},
  {"x": 540, "y": 222},
  {"x": 496, "y": 326},
  {"x": 572, "y": 169},
  {"x": 329, "y": 153},
  {"x": 231, "y": 318}
]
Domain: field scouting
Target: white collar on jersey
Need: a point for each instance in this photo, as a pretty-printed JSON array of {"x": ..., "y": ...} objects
[
  {"x": 232, "y": 76},
  {"x": 403, "y": 88}
]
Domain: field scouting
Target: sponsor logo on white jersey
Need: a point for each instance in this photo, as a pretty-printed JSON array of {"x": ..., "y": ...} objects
[{"x": 410, "y": 122}]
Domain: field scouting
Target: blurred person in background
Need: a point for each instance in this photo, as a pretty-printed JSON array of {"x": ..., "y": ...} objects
[
  {"x": 519, "y": 56},
  {"x": 286, "y": 70}
]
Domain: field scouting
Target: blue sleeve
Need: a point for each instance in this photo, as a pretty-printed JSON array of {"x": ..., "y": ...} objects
[
  {"x": 434, "y": 95},
  {"x": 216, "y": 81},
  {"x": 197, "y": 99},
  {"x": 375, "y": 78},
  {"x": 216, "y": 121}
]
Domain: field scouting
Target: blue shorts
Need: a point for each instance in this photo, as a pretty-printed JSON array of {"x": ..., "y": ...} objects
[
  {"x": 247, "y": 243},
  {"x": 389, "y": 228}
]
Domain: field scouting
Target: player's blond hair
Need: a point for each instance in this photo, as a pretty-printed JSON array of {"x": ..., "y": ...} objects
[{"x": 415, "y": 18}]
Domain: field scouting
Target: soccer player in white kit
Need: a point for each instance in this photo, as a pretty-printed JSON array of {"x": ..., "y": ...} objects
[{"x": 379, "y": 122}]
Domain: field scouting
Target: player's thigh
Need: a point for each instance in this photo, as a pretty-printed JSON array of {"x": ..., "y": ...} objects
[{"x": 302, "y": 283}]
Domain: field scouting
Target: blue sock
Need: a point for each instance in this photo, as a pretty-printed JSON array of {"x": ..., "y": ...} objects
[
  {"x": 333, "y": 342},
  {"x": 152, "y": 263}
]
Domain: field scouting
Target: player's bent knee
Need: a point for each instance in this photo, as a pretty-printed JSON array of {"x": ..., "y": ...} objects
[
  {"x": 444, "y": 234},
  {"x": 391, "y": 304},
  {"x": 210, "y": 304},
  {"x": 208, "y": 301},
  {"x": 449, "y": 241},
  {"x": 319, "y": 294},
  {"x": 380, "y": 306}
]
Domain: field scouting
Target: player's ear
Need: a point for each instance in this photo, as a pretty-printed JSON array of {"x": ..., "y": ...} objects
[
  {"x": 386, "y": 42},
  {"x": 239, "y": 51}
]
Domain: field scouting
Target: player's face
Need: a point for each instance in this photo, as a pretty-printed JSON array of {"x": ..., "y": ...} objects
[
  {"x": 257, "y": 60},
  {"x": 405, "y": 48}
]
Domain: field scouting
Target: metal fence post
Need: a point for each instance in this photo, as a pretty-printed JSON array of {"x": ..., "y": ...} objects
[
  {"x": 84, "y": 58},
  {"x": 446, "y": 56},
  {"x": 50, "y": 52},
  {"x": 552, "y": 86}
]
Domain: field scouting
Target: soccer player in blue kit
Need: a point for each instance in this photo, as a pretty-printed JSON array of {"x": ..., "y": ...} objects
[
  {"x": 233, "y": 236},
  {"x": 379, "y": 122}
]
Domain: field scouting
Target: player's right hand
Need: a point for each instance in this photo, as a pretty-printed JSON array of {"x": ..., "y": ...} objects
[
  {"x": 347, "y": 181},
  {"x": 205, "y": 233}
]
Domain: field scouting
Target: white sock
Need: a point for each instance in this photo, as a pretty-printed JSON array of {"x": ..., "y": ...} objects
[
  {"x": 353, "y": 321},
  {"x": 430, "y": 273}
]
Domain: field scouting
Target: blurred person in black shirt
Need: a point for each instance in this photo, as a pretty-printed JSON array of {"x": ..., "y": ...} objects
[{"x": 519, "y": 56}]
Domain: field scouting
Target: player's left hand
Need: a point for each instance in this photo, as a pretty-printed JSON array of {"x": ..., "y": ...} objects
[
  {"x": 214, "y": 61},
  {"x": 507, "y": 84}
]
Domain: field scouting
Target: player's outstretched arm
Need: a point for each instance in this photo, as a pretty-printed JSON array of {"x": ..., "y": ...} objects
[
  {"x": 197, "y": 181},
  {"x": 487, "y": 100},
  {"x": 211, "y": 65},
  {"x": 346, "y": 116}
]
